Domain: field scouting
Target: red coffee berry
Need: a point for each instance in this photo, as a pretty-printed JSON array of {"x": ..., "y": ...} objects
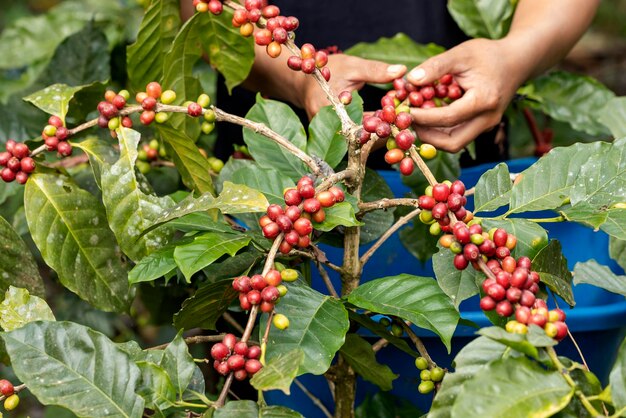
[
  {"x": 326, "y": 198},
  {"x": 454, "y": 92},
  {"x": 499, "y": 237},
  {"x": 441, "y": 91},
  {"x": 502, "y": 252},
  {"x": 254, "y": 352},
  {"x": 273, "y": 278},
  {"x": 405, "y": 139},
  {"x": 21, "y": 177},
  {"x": 487, "y": 283},
  {"x": 303, "y": 226},
  {"x": 64, "y": 149},
  {"x": 266, "y": 307},
  {"x": 426, "y": 202},
  {"x": 416, "y": 99},
  {"x": 527, "y": 298},
  {"x": 460, "y": 262},
  {"x": 254, "y": 297},
  {"x": 263, "y": 37},
  {"x": 428, "y": 92},
  {"x": 406, "y": 166},
  {"x": 5, "y": 157},
  {"x": 383, "y": 130},
  {"x": 389, "y": 114},
  {"x": 241, "y": 374},
  {"x": 194, "y": 109},
  {"x": 292, "y": 237},
  {"x": 236, "y": 362},
  {"x": 440, "y": 211},
  {"x": 311, "y": 205},
  {"x": 153, "y": 89},
  {"x": 274, "y": 211},
  {"x": 503, "y": 279},
  {"x": 371, "y": 123},
  {"x": 9, "y": 145},
  {"x": 487, "y": 304},
  {"x": 519, "y": 277},
  {"x": 253, "y": 365},
  {"x": 524, "y": 262},
  {"x": 62, "y": 133},
  {"x": 364, "y": 136},
  {"x": 308, "y": 65},
  {"x": 7, "y": 175},
  {"x": 441, "y": 192},
  {"x": 149, "y": 103},
  {"x": 538, "y": 320},
  {"x": 394, "y": 156},
  {"x": 279, "y": 35},
  {"x": 461, "y": 232},
  {"x": 147, "y": 116},
  {"x": 504, "y": 308},
  {"x": 338, "y": 193},
  {"x": 321, "y": 59},
  {"x": 270, "y": 294},
  {"x": 258, "y": 282},
  {"x": 292, "y": 197},
  {"x": 55, "y": 121},
  {"x": 304, "y": 241},
  {"x": 496, "y": 292},
  {"x": 20, "y": 150},
  {"x": 291, "y": 23},
  {"x": 264, "y": 220},
  {"x": 270, "y": 11},
  {"x": 27, "y": 165},
  {"x": 319, "y": 216},
  {"x": 403, "y": 120},
  {"x": 307, "y": 191},
  {"x": 295, "y": 63},
  {"x": 222, "y": 368},
  {"x": 271, "y": 230},
  {"x": 293, "y": 213},
  {"x": 561, "y": 328},
  {"x": 14, "y": 164},
  {"x": 244, "y": 302},
  {"x": 522, "y": 314},
  {"x": 285, "y": 247},
  {"x": 307, "y": 51},
  {"x": 229, "y": 341},
  {"x": 219, "y": 351}
]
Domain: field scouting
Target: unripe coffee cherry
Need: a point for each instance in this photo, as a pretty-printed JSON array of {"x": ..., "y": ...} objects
[
  {"x": 274, "y": 49},
  {"x": 426, "y": 387},
  {"x": 394, "y": 156},
  {"x": 345, "y": 97},
  {"x": 421, "y": 363},
  {"x": 307, "y": 51},
  {"x": 280, "y": 321},
  {"x": 326, "y": 199},
  {"x": 289, "y": 275},
  {"x": 11, "y": 402},
  {"x": 153, "y": 89}
]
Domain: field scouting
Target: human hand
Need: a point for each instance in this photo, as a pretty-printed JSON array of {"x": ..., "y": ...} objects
[
  {"x": 347, "y": 73},
  {"x": 485, "y": 70}
]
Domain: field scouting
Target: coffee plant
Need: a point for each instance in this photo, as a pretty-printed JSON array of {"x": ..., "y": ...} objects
[{"x": 230, "y": 247}]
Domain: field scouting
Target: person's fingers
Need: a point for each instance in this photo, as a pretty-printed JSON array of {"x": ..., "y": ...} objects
[
  {"x": 459, "y": 111},
  {"x": 455, "y": 139},
  {"x": 432, "y": 69},
  {"x": 369, "y": 71}
]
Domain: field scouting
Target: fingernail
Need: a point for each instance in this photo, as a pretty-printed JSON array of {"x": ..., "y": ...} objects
[
  {"x": 395, "y": 69},
  {"x": 417, "y": 74}
]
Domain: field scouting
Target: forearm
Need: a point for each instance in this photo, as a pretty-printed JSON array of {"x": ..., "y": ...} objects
[{"x": 543, "y": 31}]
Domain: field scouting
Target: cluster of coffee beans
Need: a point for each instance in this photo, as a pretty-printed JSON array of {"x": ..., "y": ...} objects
[
  {"x": 236, "y": 357},
  {"x": 259, "y": 290},
  {"x": 441, "y": 93},
  {"x": 109, "y": 110},
  {"x": 302, "y": 204},
  {"x": 552, "y": 321},
  {"x": 147, "y": 153},
  {"x": 16, "y": 162},
  {"x": 55, "y": 135},
  {"x": 310, "y": 60},
  {"x": 11, "y": 400},
  {"x": 394, "y": 328},
  {"x": 213, "y": 6},
  {"x": 440, "y": 199},
  {"x": 428, "y": 376}
]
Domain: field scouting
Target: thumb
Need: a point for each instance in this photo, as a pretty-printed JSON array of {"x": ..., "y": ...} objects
[
  {"x": 369, "y": 71},
  {"x": 431, "y": 70}
]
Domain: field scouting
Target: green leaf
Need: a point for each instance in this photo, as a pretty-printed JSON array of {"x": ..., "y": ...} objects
[
  {"x": 382, "y": 331},
  {"x": 156, "y": 386},
  {"x": 17, "y": 265},
  {"x": 100, "y": 153},
  {"x": 590, "y": 272},
  {"x": 574, "y": 99},
  {"x": 54, "y": 99},
  {"x": 178, "y": 65},
  {"x": 524, "y": 343},
  {"x": 280, "y": 372},
  {"x": 419, "y": 241},
  {"x": 359, "y": 354},
  {"x": 613, "y": 116},
  {"x": 129, "y": 209},
  {"x": 513, "y": 387},
  {"x": 229, "y": 52},
  {"x": 547, "y": 184},
  {"x": 199, "y": 222},
  {"x": 278, "y": 412},
  {"x": 338, "y": 214},
  {"x": 531, "y": 237},
  {"x": 325, "y": 140},
  {"x": 617, "y": 251},
  {"x": 145, "y": 57},
  {"x": 317, "y": 325},
  {"x": 493, "y": 189},
  {"x": 268, "y": 154},
  {"x": 617, "y": 379},
  {"x": 192, "y": 165},
  {"x": 156, "y": 264},
  {"x": 470, "y": 360},
  {"x": 69, "y": 227},
  {"x": 178, "y": 363},
  {"x": 205, "y": 249},
  {"x": 377, "y": 222},
  {"x": 459, "y": 285},
  {"x": 206, "y": 306},
  {"x": 234, "y": 266},
  {"x": 400, "y": 49},
  {"x": 552, "y": 268},
  {"x": 416, "y": 299},
  {"x": 483, "y": 19},
  {"x": 72, "y": 366},
  {"x": 239, "y": 409},
  {"x": 19, "y": 308}
]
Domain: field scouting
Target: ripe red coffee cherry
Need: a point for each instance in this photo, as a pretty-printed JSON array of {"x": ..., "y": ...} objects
[
  {"x": 236, "y": 362},
  {"x": 488, "y": 248},
  {"x": 295, "y": 63},
  {"x": 253, "y": 365},
  {"x": 5, "y": 157},
  {"x": 258, "y": 282},
  {"x": 305, "y": 180},
  {"x": 460, "y": 262},
  {"x": 499, "y": 237},
  {"x": 527, "y": 298},
  {"x": 428, "y": 92},
  {"x": 318, "y": 216},
  {"x": 383, "y": 130},
  {"x": 292, "y": 237},
  {"x": 244, "y": 302},
  {"x": 264, "y": 220},
  {"x": 454, "y": 92},
  {"x": 254, "y": 352},
  {"x": 308, "y": 65},
  {"x": 229, "y": 341},
  {"x": 219, "y": 351},
  {"x": 270, "y": 294},
  {"x": 561, "y": 330},
  {"x": 326, "y": 198},
  {"x": 503, "y": 279},
  {"x": 240, "y": 375},
  {"x": 487, "y": 283},
  {"x": 303, "y": 227},
  {"x": 471, "y": 252},
  {"x": 273, "y": 278},
  {"x": 304, "y": 241},
  {"x": 519, "y": 277},
  {"x": 522, "y": 314},
  {"x": 14, "y": 164},
  {"x": 371, "y": 123},
  {"x": 149, "y": 103},
  {"x": 153, "y": 89},
  {"x": 401, "y": 94},
  {"x": 394, "y": 156},
  {"x": 285, "y": 247},
  {"x": 27, "y": 165},
  {"x": 64, "y": 149},
  {"x": 253, "y": 4},
  {"x": 403, "y": 120},
  {"x": 254, "y": 296},
  {"x": 6, "y": 388},
  {"x": 416, "y": 99},
  {"x": 307, "y": 191},
  {"x": 426, "y": 202},
  {"x": 266, "y": 307},
  {"x": 338, "y": 193},
  {"x": 311, "y": 205},
  {"x": 293, "y": 213},
  {"x": 502, "y": 252},
  {"x": 263, "y": 37},
  {"x": 274, "y": 211},
  {"x": 271, "y": 230},
  {"x": 62, "y": 133},
  {"x": 279, "y": 35},
  {"x": 461, "y": 232},
  {"x": 321, "y": 59},
  {"x": 389, "y": 114},
  {"x": 21, "y": 177},
  {"x": 441, "y": 192},
  {"x": 242, "y": 284},
  {"x": 455, "y": 201},
  {"x": 291, "y": 23},
  {"x": 55, "y": 121},
  {"x": 440, "y": 211},
  {"x": 273, "y": 49},
  {"x": 487, "y": 304},
  {"x": 270, "y": 11},
  {"x": 538, "y": 320},
  {"x": 7, "y": 175},
  {"x": 405, "y": 139},
  {"x": 20, "y": 150},
  {"x": 292, "y": 197},
  {"x": 284, "y": 223},
  {"x": 441, "y": 91},
  {"x": 496, "y": 292},
  {"x": 222, "y": 368},
  {"x": 147, "y": 116},
  {"x": 524, "y": 262},
  {"x": 194, "y": 109},
  {"x": 406, "y": 166},
  {"x": 504, "y": 308}
]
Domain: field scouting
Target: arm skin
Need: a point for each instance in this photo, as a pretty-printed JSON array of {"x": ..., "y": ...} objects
[{"x": 490, "y": 71}]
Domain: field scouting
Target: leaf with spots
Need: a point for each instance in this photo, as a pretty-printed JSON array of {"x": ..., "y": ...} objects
[
  {"x": 54, "y": 99},
  {"x": 69, "y": 227},
  {"x": 129, "y": 209},
  {"x": 19, "y": 308},
  {"x": 279, "y": 373}
]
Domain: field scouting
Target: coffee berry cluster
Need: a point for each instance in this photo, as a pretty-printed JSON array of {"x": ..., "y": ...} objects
[
  {"x": 11, "y": 400},
  {"x": 259, "y": 290},
  {"x": 55, "y": 136},
  {"x": 552, "y": 321},
  {"x": 439, "y": 201},
  {"x": 428, "y": 376},
  {"x": 236, "y": 357},
  {"x": 17, "y": 162},
  {"x": 302, "y": 205}
]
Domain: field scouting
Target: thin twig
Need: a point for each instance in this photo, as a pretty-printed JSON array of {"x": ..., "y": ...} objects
[
  {"x": 422, "y": 166},
  {"x": 198, "y": 339},
  {"x": 16, "y": 389},
  {"x": 379, "y": 345},
  {"x": 326, "y": 279},
  {"x": 308, "y": 254},
  {"x": 571, "y": 336},
  {"x": 421, "y": 348},
  {"x": 385, "y": 203},
  {"x": 400, "y": 223},
  {"x": 313, "y": 398},
  {"x": 335, "y": 178}
]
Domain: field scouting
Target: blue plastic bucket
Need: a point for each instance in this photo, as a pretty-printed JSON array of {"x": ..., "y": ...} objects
[{"x": 598, "y": 321}]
